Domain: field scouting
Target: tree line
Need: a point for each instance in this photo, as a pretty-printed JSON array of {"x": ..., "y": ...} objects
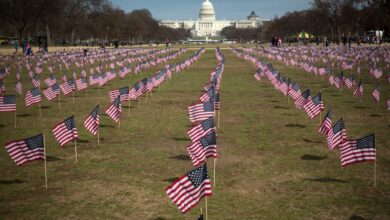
[
  {"x": 81, "y": 22},
  {"x": 333, "y": 19}
]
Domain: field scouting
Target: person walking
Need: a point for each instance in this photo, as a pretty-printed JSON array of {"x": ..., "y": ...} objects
[{"x": 16, "y": 46}]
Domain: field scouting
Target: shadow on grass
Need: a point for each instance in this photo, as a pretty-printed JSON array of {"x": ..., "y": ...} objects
[
  {"x": 356, "y": 217},
  {"x": 312, "y": 157},
  {"x": 296, "y": 125},
  {"x": 282, "y": 107},
  {"x": 45, "y": 107},
  {"x": 335, "y": 95},
  {"x": 170, "y": 179},
  {"x": 375, "y": 115},
  {"x": 82, "y": 141},
  {"x": 181, "y": 139},
  {"x": 2, "y": 126},
  {"x": 52, "y": 158},
  {"x": 9, "y": 182},
  {"x": 159, "y": 218},
  {"x": 107, "y": 126},
  {"x": 361, "y": 107},
  {"x": 311, "y": 141},
  {"x": 24, "y": 115},
  {"x": 327, "y": 180},
  {"x": 181, "y": 157},
  {"x": 273, "y": 101}
]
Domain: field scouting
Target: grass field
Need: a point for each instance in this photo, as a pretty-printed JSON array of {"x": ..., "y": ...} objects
[{"x": 273, "y": 164}]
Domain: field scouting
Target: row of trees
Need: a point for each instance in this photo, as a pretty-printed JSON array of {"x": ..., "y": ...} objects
[
  {"x": 328, "y": 18},
  {"x": 76, "y": 20}
]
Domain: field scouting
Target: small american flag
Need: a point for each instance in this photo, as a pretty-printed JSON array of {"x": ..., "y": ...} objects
[
  {"x": 337, "y": 134},
  {"x": 67, "y": 87},
  {"x": 376, "y": 93},
  {"x": 27, "y": 150},
  {"x": 8, "y": 103},
  {"x": 315, "y": 106},
  {"x": 295, "y": 91},
  {"x": 350, "y": 82},
  {"x": 81, "y": 83},
  {"x": 326, "y": 124},
  {"x": 18, "y": 88},
  {"x": 38, "y": 68},
  {"x": 94, "y": 79},
  {"x": 201, "y": 111},
  {"x": 207, "y": 95},
  {"x": 122, "y": 92},
  {"x": 33, "y": 96},
  {"x": 360, "y": 150},
  {"x": 36, "y": 81},
  {"x": 188, "y": 190},
  {"x": 65, "y": 131},
  {"x": 52, "y": 92},
  {"x": 359, "y": 90},
  {"x": 51, "y": 80},
  {"x": 91, "y": 123},
  {"x": 115, "y": 109},
  {"x": 102, "y": 79},
  {"x": 377, "y": 73},
  {"x": 200, "y": 130},
  {"x": 302, "y": 99},
  {"x": 204, "y": 148}
]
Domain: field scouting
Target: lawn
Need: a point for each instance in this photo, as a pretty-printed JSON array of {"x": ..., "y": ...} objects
[{"x": 273, "y": 164}]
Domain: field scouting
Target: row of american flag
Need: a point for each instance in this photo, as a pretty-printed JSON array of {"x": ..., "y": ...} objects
[
  {"x": 68, "y": 86},
  {"x": 187, "y": 191},
  {"x": 32, "y": 148},
  {"x": 346, "y": 60},
  {"x": 351, "y": 150}
]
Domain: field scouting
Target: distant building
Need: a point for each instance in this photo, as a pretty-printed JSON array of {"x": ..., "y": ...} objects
[{"x": 208, "y": 26}]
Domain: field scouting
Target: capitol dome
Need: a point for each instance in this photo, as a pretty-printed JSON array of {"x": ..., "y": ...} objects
[{"x": 207, "y": 11}]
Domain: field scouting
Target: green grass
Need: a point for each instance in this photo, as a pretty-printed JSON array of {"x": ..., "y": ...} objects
[{"x": 260, "y": 170}]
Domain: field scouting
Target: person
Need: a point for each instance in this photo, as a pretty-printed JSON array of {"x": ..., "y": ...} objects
[
  {"x": 16, "y": 45},
  {"x": 24, "y": 44},
  {"x": 85, "y": 52},
  {"x": 29, "y": 51},
  {"x": 349, "y": 41}
]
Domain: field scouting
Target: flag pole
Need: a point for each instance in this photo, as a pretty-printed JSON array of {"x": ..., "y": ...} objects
[
  {"x": 73, "y": 95},
  {"x": 98, "y": 138},
  {"x": 44, "y": 149},
  {"x": 59, "y": 101},
  {"x": 218, "y": 114},
  {"x": 119, "y": 123},
  {"x": 129, "y": 106},
  {"x": 206, "y": 208},
  {"x": 40, "y": 111},
  {"x": 75, "y": 148},
  {"x": 376, "y": 150},
  {"x": 215, "y": 165},
  {"x": 15, "y": 118}
]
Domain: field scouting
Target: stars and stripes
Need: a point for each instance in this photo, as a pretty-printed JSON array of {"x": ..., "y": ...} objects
[
  {"x": 67, "y": 87},
  {"x": 51, "y": 80},
  {"x": 326, "y": 124},
  {"x": 359, "y": 150},
  {"x": 26, "y": 150},
  {"x": 359, "y": 89},
  {"x": 36, "y": 81},
  {"x": 8, "y": 103},
  {"x": 122, "y": 92},
  {"x": 201, "y": 111},
  {"x": 200, "y": 130},
  {"x": 208, "y": 94},
  {"x": 115, "y": 109},
  {"x": 350, "y": 81},
  {"x": 2, "y": 87},
  {"x": 81, "y": 83},
  {"x": 52, "y": 92},
  {"x": 33, "y": 96},
  {"x": 188, "y": 190},
  {"x": 314, "y": 106},
  {"x": 204, "y": 148},
  {"x": 65, "y": 131},
  {"x": 94, "y": 79},
  {"x": 337, "y": 134},
  {"x": 376, "y": 93},
  {"x": 91, "y": 123},
  {"x": 302, "y": 99}
]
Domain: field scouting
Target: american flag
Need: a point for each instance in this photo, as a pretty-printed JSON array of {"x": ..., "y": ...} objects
[
  {"x": 217, "y": 103},
  {"x": 64, "y": 77},
  {"x": 26, "y": 150},
  {"x": 65, "y": 131},
  {"x": 38, "y": 68},
  {"x": 326, "y": 124},
  {"x": 200, "y": 130},
  {"x": 337, "y": 134},
  {"x": 295, "y": 91},
  {"x": 359, "y": 89},
  {"x": 314, "y": 106},
  {"x": 67, "y": 87},
  {"x": 91, "y": 123},
  {"x": 8, "y": 103},
  {"x": 18, "y": 88},
  {"x": 94, "y": 79},
  {"x": 302, "y": 99},
  {"x": 201, "y": 111},
  {"x": 3, "y": 73},
  {"x": 115, "y": 109},
  {"x": 51, "y": 80},
  {"x": 204, "y": 148},
  {"x": 102, "y": 79},
  {"x": 377, "y": 73},
  {"x": 33, "y": 96},
  {"x": 359, "y": 150},
  {"x": 350, "y": 82},
  {"x": 81, "y": 83},
  {"x": 122, "y": 92},
  {"x": 207, "y": 95},
  {"x": 36, "y": 81},
  {"x": 188, "y": 190},
  {"x": 52, "y": 92},
  {"x": 376, "y": 93}
]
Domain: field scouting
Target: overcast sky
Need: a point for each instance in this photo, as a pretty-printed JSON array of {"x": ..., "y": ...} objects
[{"x": 224, "y": 9}]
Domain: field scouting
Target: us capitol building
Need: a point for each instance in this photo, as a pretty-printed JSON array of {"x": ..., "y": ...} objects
[{"x": 208, "y": 26}]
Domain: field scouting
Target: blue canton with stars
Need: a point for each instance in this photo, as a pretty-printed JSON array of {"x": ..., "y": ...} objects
[
  {"x": 208, "y": 140},
  {"x": 208, "y": 123},
  {"x": 366, "y": 142},
  {"x": 70, "y": 123},
  {"x": 35, "y": 142},
  {"x": 198, "y": 175},
  {"x": 208, "y": 106}
]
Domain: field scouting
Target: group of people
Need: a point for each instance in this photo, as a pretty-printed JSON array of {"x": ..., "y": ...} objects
[{"x": 26, "y": 46}]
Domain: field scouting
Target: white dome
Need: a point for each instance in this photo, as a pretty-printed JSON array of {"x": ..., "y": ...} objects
[{"x": 207, "y": 11}]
